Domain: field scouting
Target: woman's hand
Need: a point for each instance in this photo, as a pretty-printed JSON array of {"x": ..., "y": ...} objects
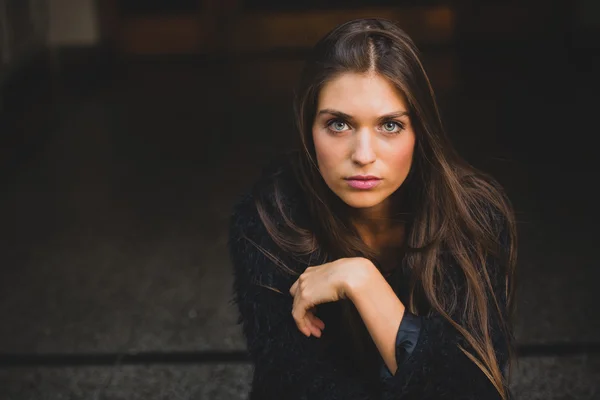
[{"x": 324, "y": 284}]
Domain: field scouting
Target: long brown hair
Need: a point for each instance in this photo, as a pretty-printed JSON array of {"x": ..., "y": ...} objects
[{"x": 449, "y": 201}]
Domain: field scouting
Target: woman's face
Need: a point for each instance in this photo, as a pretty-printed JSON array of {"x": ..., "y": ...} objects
[{"x": 363, "y": 137}]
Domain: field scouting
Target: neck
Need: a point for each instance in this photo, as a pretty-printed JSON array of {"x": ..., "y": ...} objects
[
  {"x": 374, "y": 219},
  {"x": 377, "y": 221}
]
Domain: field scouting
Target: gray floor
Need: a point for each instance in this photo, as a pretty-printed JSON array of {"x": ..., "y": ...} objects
[{"x": 115, "y": 208}]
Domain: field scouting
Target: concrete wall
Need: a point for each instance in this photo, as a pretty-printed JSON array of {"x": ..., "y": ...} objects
[
  {"x": 73, "y": 23},
  {"x": 23, "y": 32},
  {"x": 587, "y": 15}
]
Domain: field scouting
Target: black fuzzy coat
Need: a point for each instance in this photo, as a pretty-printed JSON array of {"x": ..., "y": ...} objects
[{"x": 288, "y": 365}]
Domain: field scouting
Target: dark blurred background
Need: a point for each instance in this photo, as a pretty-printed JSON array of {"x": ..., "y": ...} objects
[{"x": 129, "y": 127}]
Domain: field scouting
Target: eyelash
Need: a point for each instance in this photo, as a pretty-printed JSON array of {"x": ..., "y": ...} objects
[{"x": 333, "y": 121}]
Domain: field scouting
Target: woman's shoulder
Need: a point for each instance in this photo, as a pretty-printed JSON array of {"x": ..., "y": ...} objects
[
  {"x": 270, "y": 204},
  {"x": 275, "y": 187}
]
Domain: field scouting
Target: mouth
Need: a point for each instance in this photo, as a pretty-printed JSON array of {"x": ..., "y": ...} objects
[{"x": 363, "y": 182}]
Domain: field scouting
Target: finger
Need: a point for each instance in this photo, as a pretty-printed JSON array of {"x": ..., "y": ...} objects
[
  {"x": 316, "y": 321},
  {"x": 304, "y": 326},
  {"x": 299, "y": 314},
  {"x": 293, "y": 288},
  {"x": 314, "y": 327},
  {"x": 311, "y": 323}
]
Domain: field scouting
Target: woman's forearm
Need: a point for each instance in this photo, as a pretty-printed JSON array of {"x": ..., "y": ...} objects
[{"x": 381, "y": 311}]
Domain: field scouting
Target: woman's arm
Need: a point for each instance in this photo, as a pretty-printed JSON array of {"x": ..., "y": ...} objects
[
  {"x": 381, "y": 311},
  {"x": 439, "y": 370},
  {"x": 436, "y": 368},
  {"x": 287, "y": 363}
]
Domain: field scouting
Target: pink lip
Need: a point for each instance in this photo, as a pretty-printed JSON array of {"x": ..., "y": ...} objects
[
  {"x": 363, "y": 181},
  {"x": 363, "y": 177}
]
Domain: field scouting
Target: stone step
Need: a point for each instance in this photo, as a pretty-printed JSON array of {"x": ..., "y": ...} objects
[{"x": 534, "y": 378}]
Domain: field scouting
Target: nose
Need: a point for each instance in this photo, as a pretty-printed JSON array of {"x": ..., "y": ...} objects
[{"x": 363, "y": 152}]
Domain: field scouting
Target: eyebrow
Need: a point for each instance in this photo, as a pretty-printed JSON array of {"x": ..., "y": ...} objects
[{"x": 347, "y": 117}]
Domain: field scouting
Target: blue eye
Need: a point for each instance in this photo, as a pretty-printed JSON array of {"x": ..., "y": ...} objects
[
  {"x": 392, "y": 127},
  {"x": 337, "y": 126}
]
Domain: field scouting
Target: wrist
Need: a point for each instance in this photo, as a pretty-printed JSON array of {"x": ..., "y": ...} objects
[{"x": 364, "y": 274}]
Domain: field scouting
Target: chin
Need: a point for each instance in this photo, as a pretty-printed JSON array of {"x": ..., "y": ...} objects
[{"x": 362, "y": 200}]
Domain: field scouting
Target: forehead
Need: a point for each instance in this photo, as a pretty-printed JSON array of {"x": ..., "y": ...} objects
[{"x": 361, "y": 93}]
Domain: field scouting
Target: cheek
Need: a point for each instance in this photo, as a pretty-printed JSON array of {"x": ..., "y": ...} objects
[
  {"x": 327, "y": 154},
  {"x": 401, "y": 157}
]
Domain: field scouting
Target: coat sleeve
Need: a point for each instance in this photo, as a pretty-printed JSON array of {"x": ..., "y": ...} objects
[
  {"x": 287, "y": 364},
  {"x": 431, "y": 364}
]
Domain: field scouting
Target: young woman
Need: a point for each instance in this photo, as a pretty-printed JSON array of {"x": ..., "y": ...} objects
[{"x": 374, "y": 263}]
